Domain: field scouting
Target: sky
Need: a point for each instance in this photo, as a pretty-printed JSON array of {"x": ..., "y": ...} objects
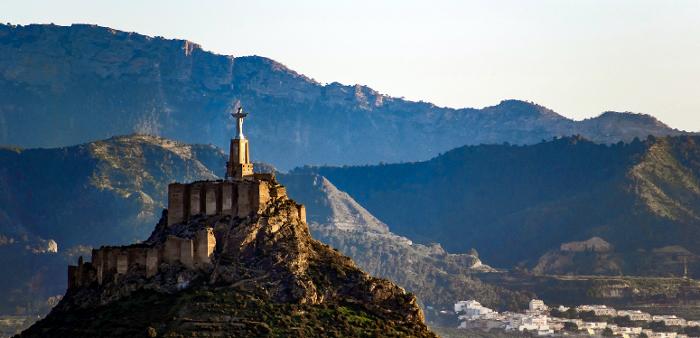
[{"x": 579, "y": 58}]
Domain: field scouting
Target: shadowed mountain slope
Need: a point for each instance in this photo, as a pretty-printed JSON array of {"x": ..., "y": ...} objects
[{"x": 530, "y": 199}]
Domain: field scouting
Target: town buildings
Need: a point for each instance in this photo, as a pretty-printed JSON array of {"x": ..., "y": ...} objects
[{"x": 537, "y": 319}]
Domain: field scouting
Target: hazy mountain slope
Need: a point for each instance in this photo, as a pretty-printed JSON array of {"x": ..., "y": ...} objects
[
  {"x": 67, "y": 85},
  {"x": 530, "y": 199},
  {"x": 108, "y": 191}
]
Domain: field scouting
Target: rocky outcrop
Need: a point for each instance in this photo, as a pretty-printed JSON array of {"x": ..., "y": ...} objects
[
  {"x": 594, "y": 244},
  {"x": 61, "y": 86},
  {"x": 584, "y": 262},
  {"x": 266, "y": 273},
  {"x": 436, "y": 276}
]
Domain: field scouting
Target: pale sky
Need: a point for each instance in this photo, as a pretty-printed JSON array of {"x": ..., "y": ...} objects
[{"x": 579, "y": 58}]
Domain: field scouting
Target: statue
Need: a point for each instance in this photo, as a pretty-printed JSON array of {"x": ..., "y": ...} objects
[{"x": 239, "y": 115}]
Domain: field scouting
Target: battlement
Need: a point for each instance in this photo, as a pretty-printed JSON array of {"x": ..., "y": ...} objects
[
  {"x": 111, "y": 262},
  {"x": 236, "y": 198}
]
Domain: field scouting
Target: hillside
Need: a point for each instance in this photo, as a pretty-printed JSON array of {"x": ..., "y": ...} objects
[
  {"x": 117, "y": 194},
  {"x": 104, "y": 192},
  {"x": 249, "y": 272},
  {"x": 67, "y": 85},
  {"x": 640, "y": 197}
]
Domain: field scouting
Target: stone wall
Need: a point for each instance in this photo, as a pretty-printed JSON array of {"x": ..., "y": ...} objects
[
  {"x": 239, "y": 198},
  {"x": 177, "y": 196},
  {"x": 205, "y": 244},
  {"x": 302, "y": 213},
  {"x": 239, "y": 165},
  {"x": 110, "y": 262}
]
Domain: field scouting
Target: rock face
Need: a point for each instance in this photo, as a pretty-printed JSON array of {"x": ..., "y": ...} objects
[
  {"x": 267, "y": 276},
  {"x": 61, "y": 86},
  {"x": 593, "y": 256},
  {"x": 594, "y": 244}
]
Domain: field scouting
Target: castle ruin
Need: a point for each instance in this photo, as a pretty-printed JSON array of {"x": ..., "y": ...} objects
[{"x": 242, "y": 194}]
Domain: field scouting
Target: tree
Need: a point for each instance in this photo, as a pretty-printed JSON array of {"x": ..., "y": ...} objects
[
  {"x": 658, "y": 326},
  {"x": 623, "y": 321},
  {"x": 692, "y": 331},
  {"x": 608, "y": 332},
  {"x": 571, "y": 327}
]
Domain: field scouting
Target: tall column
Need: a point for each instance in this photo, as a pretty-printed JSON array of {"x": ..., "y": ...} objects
[{"x": 239, "y": 165}]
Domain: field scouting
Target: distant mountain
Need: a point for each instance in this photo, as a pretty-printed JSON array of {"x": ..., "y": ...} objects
[
  {"x": 113, "y": 191},
  {"x": 67, "y": 85},
  {"x": 516, "y": 203},
  {"x": 109, "y": 191}
]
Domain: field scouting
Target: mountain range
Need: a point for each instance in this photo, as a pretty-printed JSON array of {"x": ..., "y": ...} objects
[
  {"x": 65, "y": 85},
  {"x": 518, "y": 203}
]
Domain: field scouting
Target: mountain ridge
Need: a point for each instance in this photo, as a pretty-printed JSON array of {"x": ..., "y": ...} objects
[
  {"x": 84, "y": 82},
  {"x": 534, "y": 198}
]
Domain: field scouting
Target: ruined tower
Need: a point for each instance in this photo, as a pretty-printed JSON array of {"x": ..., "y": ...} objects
[{"x": 238, "y": 165}]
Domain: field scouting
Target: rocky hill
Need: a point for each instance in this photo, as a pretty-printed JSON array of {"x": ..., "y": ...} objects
[
  {"x": 112, "y": 191},
  {"x": 264, "y": 275},
  {"x": 67, "y": 85},
  {"x": 640, "y": 197},
  {"x": 434, "y": 275}
]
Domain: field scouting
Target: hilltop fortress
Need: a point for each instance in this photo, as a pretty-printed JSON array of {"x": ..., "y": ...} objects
[
  {"x": 229, "y": 258},
  {"x": 242, "y": 195}
]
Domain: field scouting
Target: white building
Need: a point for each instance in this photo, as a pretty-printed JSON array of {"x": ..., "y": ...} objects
[
  {"x": 537, "y": 306},
  {"x": 513, "y": 320},
  {"x": 635, "y": 315},
  {"x": 593, "y": 325},
  {"x": 472, "y": 309},
  {"x": 598, "y": 310},
  {"x": 670, "y": 320},
  {"x": 627, "y": 330},
  {"x": 654, "y": 334},
  {"x": 536, "y": 323}
]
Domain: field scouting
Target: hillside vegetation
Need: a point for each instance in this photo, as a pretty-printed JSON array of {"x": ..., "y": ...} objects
[{"x": 641, "y": 197}]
